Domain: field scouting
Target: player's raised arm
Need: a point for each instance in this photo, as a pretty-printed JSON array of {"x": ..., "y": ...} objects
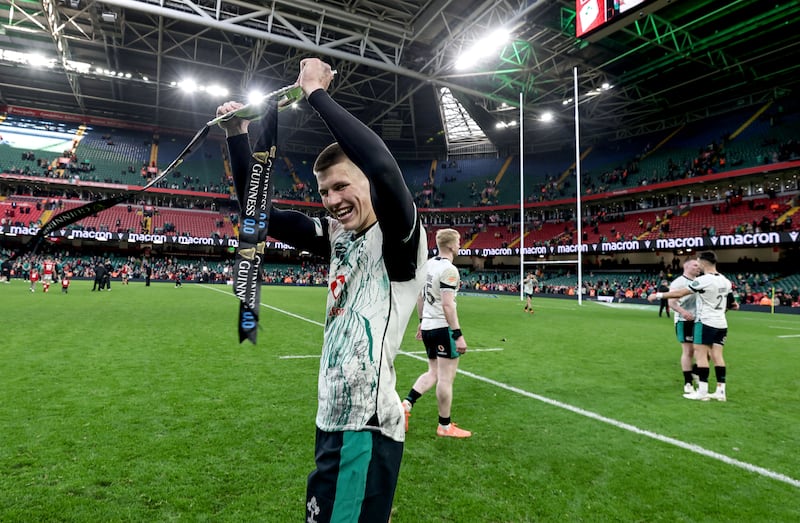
[
  {"x": 392, "y": 201},
  {"x": 291, "y": 227}
]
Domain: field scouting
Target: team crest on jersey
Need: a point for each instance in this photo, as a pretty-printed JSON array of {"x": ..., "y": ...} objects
[{"x": 337, "y": 286}]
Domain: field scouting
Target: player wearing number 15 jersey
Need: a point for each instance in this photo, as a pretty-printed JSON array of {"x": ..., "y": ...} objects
[{"x": 440, "y": 331}]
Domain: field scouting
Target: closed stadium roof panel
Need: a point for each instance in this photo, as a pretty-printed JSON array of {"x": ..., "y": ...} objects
[{"x": 126, "y": 59}]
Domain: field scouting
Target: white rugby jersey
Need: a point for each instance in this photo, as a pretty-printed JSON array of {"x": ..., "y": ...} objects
[
  {"x": 528, "y": 285},
  {"x": 688, "y": 302},
  {"x": 367, "y": 315},
  {"x": 712, "y": 299},
  {"x": 442, "y": 275}
]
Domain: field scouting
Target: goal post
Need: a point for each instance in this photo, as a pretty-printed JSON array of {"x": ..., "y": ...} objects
[{"x": 578, "y": 216}]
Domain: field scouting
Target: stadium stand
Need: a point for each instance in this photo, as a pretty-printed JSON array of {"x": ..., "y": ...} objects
[{"x": 114, "y": 155}]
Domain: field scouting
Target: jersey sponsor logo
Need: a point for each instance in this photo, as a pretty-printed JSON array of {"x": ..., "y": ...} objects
[{"x": 337, "y": 286}]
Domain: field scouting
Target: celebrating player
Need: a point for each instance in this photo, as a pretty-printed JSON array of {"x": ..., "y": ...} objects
[
  {"x": 714, "y": 297},
  {"x": 685, "y": 309},
  {"x": 376, "y": 246}
]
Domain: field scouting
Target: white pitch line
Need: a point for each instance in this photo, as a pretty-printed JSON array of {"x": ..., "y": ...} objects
[
  {"x": 490, "y": 349},
  {"x": 785, "y": 328},
  {"x": 790, "y": 336},
  {"x": 772, "y": 318},
  {"x": 305, "y": 356},
  {"x": 761, "y": 471}
]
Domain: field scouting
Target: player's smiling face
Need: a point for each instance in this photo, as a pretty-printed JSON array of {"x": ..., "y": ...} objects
[{"x": 346, "y": 195}]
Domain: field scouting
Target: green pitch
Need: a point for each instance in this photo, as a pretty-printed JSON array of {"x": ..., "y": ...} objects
[{"x": 139, "y": 405}]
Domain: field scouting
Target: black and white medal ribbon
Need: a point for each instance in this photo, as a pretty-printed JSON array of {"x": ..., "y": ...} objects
[{"x": 254, "y": 224}]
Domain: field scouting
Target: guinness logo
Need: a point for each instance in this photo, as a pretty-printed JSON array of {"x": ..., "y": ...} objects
[{"x": 263, "y": 157}]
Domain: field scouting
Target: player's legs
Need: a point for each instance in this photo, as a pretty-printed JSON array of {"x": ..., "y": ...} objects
[
  {"x": 448, "y": 365},
  {"x": 684, "y": 331},
  {"x": 687, "y": 355},
  {"x": 444, "y": 388},
  {"x": 701, "y": 348},
  {"x": 720, "y": 371},
  {"x": 426, "y": 380}
]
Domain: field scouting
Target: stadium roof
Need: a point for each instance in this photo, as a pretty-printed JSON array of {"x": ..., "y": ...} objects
[{"x": 688, "y": 60}]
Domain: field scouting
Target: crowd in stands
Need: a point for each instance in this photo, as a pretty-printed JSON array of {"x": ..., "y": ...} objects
[
  {"x": 65, "y": 166},
  {"x": 754, "y": 287},
  {"x": 165, "y": 268}
]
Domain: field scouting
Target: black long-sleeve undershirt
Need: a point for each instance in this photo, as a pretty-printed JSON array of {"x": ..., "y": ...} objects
[
  {"x": 391, "y": 199},
  {"x": 290, "y": 227}
]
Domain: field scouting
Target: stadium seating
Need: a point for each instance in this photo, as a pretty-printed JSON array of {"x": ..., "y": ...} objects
[
  {"x": 192, "y": 223},
  {"x": 117, "y": 155},
  {"x": 22, "y": 210},
  {"x": 201, "y": 171}
]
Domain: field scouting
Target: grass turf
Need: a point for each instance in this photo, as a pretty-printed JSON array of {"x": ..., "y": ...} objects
[{"x": 139, "y": 405}]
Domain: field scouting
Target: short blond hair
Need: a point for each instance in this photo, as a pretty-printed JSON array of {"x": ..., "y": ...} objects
[
  {"x": 447, "y": 237},
  {"x": 329, "y": 156}
]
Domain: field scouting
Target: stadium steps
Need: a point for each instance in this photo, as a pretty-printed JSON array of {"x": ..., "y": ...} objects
[
  {"x": 227, "y": 221},
  {"x": 502, "y": 172},
  {"x": 750, "y": 120},
  {"x": 662, "y": 142},
  {"x": 45, "y": 216},
  {"x": 469, "y": 242},
  {"x": 569, "y": 169},
  {"x": 517, "y": 240},
  {"x": 787, "y": 214},
  {"x": 153, "y": 153}
]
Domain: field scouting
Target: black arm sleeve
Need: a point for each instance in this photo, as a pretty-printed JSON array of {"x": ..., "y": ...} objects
[
  {"x": 239, "y": 154},
  {"x": 290, "y": 227},
  {"x": 391, "y": 198},
  {"x": 730, "y": 301}
]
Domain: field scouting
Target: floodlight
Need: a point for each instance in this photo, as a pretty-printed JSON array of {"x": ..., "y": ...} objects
[
  {"x": 188, "y": 85},
  {"x": 216, "y": 90},
  {"x": 254, "y": 97}
]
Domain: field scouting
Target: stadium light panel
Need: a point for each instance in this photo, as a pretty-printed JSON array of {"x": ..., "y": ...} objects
[
  {"x": 188, "y": 85},
  {"x": 217, "y": 90},
  {"x": 483, "y": 48}
]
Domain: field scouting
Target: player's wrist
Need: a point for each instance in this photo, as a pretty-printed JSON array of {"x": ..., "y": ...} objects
[
  {"x": 456, "y": 334},
  {"x": 659, "y": 295}
]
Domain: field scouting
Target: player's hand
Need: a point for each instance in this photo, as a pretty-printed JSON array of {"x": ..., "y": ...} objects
[
  {"x": 235, "y": 125},
  {"x": 461, "y": 345},
  {"x": 418, "y": 337},
  {"x": 688, "y": 316},
  {"x": 652, "y": 297},
  {"x": 314, "y": 74}
]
